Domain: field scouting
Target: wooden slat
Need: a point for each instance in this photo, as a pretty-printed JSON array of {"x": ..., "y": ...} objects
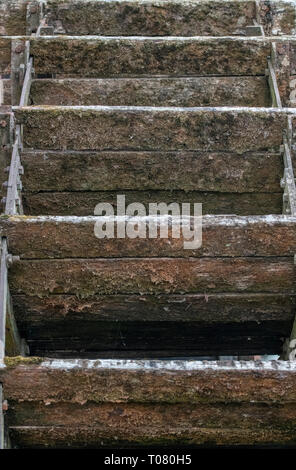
[
  {"x": 155, "y": 326},
  {"x": 36, "y": 379},
  {"x": 189, "y": 171},
  {"x": 224, "y": 402},
  {"x": 14, "y": 345},
  {"x": 6, "y": 92},
  {"x": 153, "y": 275},
  {"x": 86, "y": 437},
  {"x": 74, "y": 237},
  {"x": 190, "y": 91},
  {"x": 209, "y": 308},
  {"x": 157, "y": 18},
  {"x": 94, "y": 57},
  {"x": 13, "y": 17},
  {"x": 5, "y": 55},
  {"x": 83, "y": 203},
  {"x": 156, "y": 339},
  {"x": 141, "y": 128}
]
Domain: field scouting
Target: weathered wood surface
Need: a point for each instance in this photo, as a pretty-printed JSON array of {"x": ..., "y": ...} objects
[
  {"x": 214, "y": 402},
  {"x": 83, "y": 203},
  {"x": 141, "y": 128},
  {"x": 13, "y": 17},
  {"x": 6, "y": 92},
  {"x": 151, "y": 18},
  {"x": 207, "y": 308},
  {"x": 6, "y": 123},
  {"x": 117, "y": 56},
  {"x": 92, "y": 438},
  {"x": 132, "y": 170},
  {"x": 169, "y": 17},
  {"x": 5, "y": 55},
  {"x": 36, "y": 379},
  {"x": 156, "y": 339},
  {"x": 74, "y": 237},
  {"x": 86, "y": 277},
  {"x": 13, "y": 343},
  {"x": 190, "y": 91},
  {"x": 155, "y": 326}
]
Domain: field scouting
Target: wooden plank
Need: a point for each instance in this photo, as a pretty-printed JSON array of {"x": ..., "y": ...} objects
[
  {"x": 35, "y": 379},
  {"x": 141, "y": 128},
  {"x": 157, "y": 339},
  {"x": 189, "y": 91},
  {"x": 14, "y": 345},
  {"x": 5, "y": 55},
  {"x": 13, "y": 17},
  {"x": 210, "y": 308},
  {"x": 209, "y": 399},
  {"x": 91, "y": 438},
  {"x": 86, "y": 277},
  {"x": 74, "y": 237},
  {"x": 94, "y": 57},
  {"x": 83, "y": 203},
  {"x": 6, "y": 123},
  {"x": 157, "y": 18},
  {"x": 189, "y": 171},
  {"x": 155, "y": 326},
  {"x": 6, "y": 92}
]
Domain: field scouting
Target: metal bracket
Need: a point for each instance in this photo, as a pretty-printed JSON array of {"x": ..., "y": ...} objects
[
  {"x": 13, "y": 203},
  {"x": 274, "y": 90},
  {"x": 288, "y": 181},
  {"x": 255, "y": 29}
]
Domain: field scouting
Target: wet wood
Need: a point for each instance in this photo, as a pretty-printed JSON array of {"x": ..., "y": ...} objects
[
  {"x": 74, "y": 237},
  {"x": 86, "y": 277},
  {"x": 13, "y": 17},
  {"x": 156, "y": 339},
  {"x": 207, "y": 308},
  {"x": 209, "y": 399}
]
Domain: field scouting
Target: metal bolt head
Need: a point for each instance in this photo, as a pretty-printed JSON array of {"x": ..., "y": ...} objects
[
  {"x": 10, "y": 259},
  {"x": 5, "y": 405},
  {"x": 20, "y": 48}
]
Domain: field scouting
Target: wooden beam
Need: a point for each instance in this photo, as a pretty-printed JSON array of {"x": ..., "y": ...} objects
[
  {"x": 141, "y": 128},
  {"x": 82, "y": 203},
  {"x": 187, "y": 91},
  {"x": 47, "y": 408},
  {"x": 250, "y": 172},
  {"x": 36, "y": 237},
  {"x": 214, "y": 18},
  {"x": 93, "y": 57},
  {"x": 86, "y": 277}
]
